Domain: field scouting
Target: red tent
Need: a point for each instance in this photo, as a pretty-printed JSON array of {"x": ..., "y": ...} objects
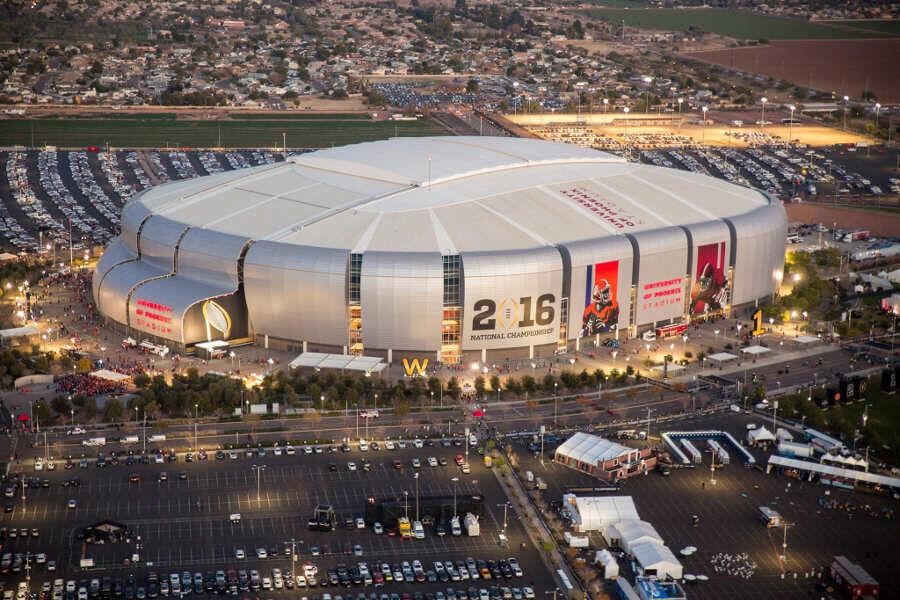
[
  {"x": 22, "y": 417},
  {"x": 478, "y": 413}
]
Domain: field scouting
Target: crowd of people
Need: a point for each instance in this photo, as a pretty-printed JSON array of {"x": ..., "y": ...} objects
[
  {"x": 87, "y": 385},
  {"x": 738, "y": 565}
]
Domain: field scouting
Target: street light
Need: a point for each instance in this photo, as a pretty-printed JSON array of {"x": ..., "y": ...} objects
[
  {"x": 705, "y": 110},
  {"x": 846, "y": 102},
  {"x": 762, "y": 121},
  {"x": 792, "y": 108},
  {"x": 648, "y": 80},
  {"x": 455, "y": 480},
  {"x": 555, "y": 397},
  {"x": 680, "y": 102},
  {"x": 259, "y": 469},
  {"x": 877, "y": 110}
]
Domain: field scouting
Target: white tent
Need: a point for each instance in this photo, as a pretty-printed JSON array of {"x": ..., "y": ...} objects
[
  {"x": 849, "y": 461},
  {"x": 759, "y": 435},
  {"x": 807, "y": 339},
  {"x": 656, "y": 559},
  {"x": 721, "y": 357},
  {"x": 755, "y": 350},
  {"x": 596, "y": 513},
  {"x": 110, "y": 375},
  {"x": 627, "y": 534},
  {"x": 589, "y": 450},
  {"x": 608, "y": 562},
  {"x": 17, "y": 332}
]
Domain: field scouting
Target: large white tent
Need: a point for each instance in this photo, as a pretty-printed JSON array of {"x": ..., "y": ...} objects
[
  {"x": 629, "y": 533},
  {"x": 585, "y": 450},
  {"x": 759, "y": 436},
  {"x": 596, "y": 513},
  {"x": 656, "y": 559}
]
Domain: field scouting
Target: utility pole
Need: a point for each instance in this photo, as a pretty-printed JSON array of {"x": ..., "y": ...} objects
[
  {"x": 784, "y": 542},
  {"x": 648, "y": 423}
]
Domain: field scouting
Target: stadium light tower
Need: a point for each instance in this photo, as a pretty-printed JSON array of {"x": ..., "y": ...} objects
[
  {"x": 648, "y": 80},
  {"x": 846, "y": 102},
  {"x": 605, "y": 104},
  {"x": 791, "y": 124},
  {"x": 680, "y": 102},
  {"x": 762, "y": 121},
  {"x": 877, "y": 110}
]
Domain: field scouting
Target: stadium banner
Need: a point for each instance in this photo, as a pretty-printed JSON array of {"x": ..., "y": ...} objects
[
  {"x": 600, "y": 311},
  {"x": 511, "y": 310},
  {"x": 661, "y": 283},
  {"x": 709, "y": 292}
]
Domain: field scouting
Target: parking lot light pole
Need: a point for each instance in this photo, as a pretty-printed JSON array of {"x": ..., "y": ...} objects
[
  {"x": 505, "y": 507},
  {"x": 555, "y": 398},
  {"x": 416, "y": 477},
  {"x": 259, "y": 469},
  {"x": 196, "y": 411},
  {"x": 455, "y": 480},
  {"x": 791, "y": 124},
  {"x": 294, "y": 542},
  {"x": 648, "y": 423}
]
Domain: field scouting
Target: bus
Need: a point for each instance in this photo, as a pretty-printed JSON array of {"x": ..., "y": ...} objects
[{"x": 769, "y": 517}]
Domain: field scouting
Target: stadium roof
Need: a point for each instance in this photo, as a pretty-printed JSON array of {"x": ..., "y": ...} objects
[{"x": 448, "y": 195}]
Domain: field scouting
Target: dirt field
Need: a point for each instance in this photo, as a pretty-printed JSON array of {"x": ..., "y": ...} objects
[
  {"x": 843, "y": 66},
  {"x": 716, "y": 134},
  {"x": 879, "y": 223}
]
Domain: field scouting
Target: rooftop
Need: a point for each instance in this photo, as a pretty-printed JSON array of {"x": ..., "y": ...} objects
[{"x": 448, "y": 195}]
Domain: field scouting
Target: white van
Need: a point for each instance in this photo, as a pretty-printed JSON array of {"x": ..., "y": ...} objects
[
  {"x": 649, "y": 336},
  {"x": 157, "y": 437},
  {"x": 235, "y": 518},
  {"x": 95, "y": 441},
  {"x": 363, "y": 446}
]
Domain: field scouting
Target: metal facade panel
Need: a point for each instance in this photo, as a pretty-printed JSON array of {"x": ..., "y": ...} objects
[
  {"x": 597, "y": 264},
  {"x": 210, "y": 257},
  {"x": 159, "y": 237},
  {"x": 116, "y": 253},
  {"x": 113, "y": 297},
  {"x": 133, "y": 214},
  {"x": 661, "y": 277},
  {"x": 159, "y": 306},
  {"x": 511, "y": 299},
  {"x": 297, "y": 292},
  {"x": 402, "y": 300},
  {"x": 759, "y": 252}
]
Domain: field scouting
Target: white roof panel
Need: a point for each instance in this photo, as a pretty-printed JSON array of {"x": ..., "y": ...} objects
[{"x": 447, "y": 194}]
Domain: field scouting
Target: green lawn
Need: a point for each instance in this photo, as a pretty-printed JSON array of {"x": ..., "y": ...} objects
[
  {"x": 248, "y": 133},
  {"x": 891, "y": 27},
  {"x": 300, "y": 116},
  {"x": 728, "y": 22}
]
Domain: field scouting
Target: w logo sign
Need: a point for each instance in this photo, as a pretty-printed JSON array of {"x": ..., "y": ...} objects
[{"x": 415, "y": 367}]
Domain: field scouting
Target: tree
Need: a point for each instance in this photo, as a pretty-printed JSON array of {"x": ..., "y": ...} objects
[
  {"x": 472, "y": 86},
  {"x": 453, "y": 388},
  {"x": 113, "y": 411},
  {"x": 479, "y": 385},
  {"x": 61, "y": 405},
  {"x": 41, "y": 412},
  {"x": 495, "y": 383},
  {"x": 151, "y": 409}
]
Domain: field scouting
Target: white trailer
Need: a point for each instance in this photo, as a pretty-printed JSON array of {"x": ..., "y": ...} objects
[
  {"x": 473, "y": 529},
  {"x": 722, "y": 457},
  {"x": 692, "y": 451},
  {"x": 793, "y": 449}
]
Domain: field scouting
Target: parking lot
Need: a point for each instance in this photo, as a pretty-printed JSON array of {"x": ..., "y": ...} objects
[
  {"x": 44, "y": 194},
  {"x": 729, "y": 523},
  {"x": 171, "y": 531}
]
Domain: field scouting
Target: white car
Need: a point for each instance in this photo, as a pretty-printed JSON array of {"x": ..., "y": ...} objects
[
  {"x": 416, "y": 463},
  {"x": 307, "y": 450},
  {"x": 261, "y": 553},
  {"x": 360, "y": 523},
  {"x": 39, "y": 464},
  {"x": 432, "y": 461},
  {"x": 351, "y": 466},
  {"x": 76, "y": 431},
  {"x": 267, "y": 583},
  {"x": 390, "y": 445},
  {"x": 528, "y": 593},
  {"x": 378, "y": 529},
  {"x": 239, "y": 554},
  {"x": 418, "y": 443}
]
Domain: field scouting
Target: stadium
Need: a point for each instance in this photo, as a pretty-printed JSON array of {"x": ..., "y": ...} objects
[{"x": 446, "y": 248}]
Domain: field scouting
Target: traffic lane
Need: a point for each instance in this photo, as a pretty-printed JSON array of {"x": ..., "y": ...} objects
[{"x": 796, "y": 372}]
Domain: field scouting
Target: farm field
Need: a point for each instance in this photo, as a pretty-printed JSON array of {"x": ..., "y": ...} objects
[
  {"x": 144, "y": 132},
  {"x": 889, "y": 26},
  {"x": 843, "y": 66},
  {"x": 732, "y": 23}
]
